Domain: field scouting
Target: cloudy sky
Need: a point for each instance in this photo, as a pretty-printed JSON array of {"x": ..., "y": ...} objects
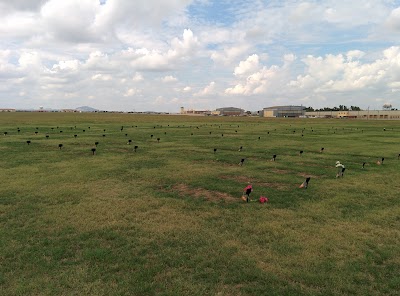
[{"x": 162, "y": 54}]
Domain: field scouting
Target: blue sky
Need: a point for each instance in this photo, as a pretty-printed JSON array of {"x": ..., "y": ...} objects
[{"x": 203, "y": 54}]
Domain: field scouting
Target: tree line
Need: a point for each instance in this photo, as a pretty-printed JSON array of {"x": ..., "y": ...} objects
[{"x": 340, "y": 108}]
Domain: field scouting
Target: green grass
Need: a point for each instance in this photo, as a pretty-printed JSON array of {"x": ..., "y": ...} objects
[{"x": 168, "y": 219}]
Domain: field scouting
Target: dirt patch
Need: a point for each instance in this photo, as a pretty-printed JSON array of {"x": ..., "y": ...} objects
[
  {"x": 279, "y": 186},
  {"x": 241, "y": 179},
  {"x": 256, "y": 183},
  {"x": 219, "y": 163},
  {"x": 184, "y": 189},
  {"x": 281, "y": 172}
]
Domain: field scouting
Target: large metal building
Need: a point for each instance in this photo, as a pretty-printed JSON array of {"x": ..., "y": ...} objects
[
  {"x": 284, "y": 111},
  {"x": 230, "y": 111}
]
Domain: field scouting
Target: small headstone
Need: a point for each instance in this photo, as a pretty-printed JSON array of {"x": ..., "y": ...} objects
[
  {"x": 104, "y": 135},
  {"x": 363, "y": 165},
  {"x": 47, "y": 136},
  {"x": 222, "y": 135},
  {"x": 273, "y": 157},
  {"x": 28, "y": 142},
  {"x": 84, "y": 130},
  {"x": 301, "y": 152},
  {"x": 135, "y": 148},
  {"x": 36, "y": 133},
  {"x": 61, "y": 132},
  {"x": 240, "y": 148},
  {"x": 93, "y": 150},
  {"x": 129, "y": 142},
  {"x": 151, "y": 136},
  {"x": 241, "y": 162},
  {"x": 96, "y": 143},
  {"x": 75, "y": 136},
  {"x": 215, "y": 150},
  {"x": 322, "y": 150},
  {"x": 5, "y": 133},
  {"x": 259, "y": 138},
  {"x": 60, "y": 146},
  {"x": 158, "y": 140}
]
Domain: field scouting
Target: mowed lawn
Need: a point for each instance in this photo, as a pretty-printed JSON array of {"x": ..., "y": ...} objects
[{"x": 168, "y": 219}]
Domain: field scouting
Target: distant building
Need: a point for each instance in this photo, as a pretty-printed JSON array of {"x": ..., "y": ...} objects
[
  {"x": 194, "y": 112},
  {"x": 283, "y": 111},
  {"x": 365, "y": 114},
  {"x": 7, "y": 110},
  {"x": 230, "y": 111},
  {"x": 69, "y": 110}
]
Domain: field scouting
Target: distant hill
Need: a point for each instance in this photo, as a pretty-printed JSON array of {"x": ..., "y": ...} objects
[{"x": 86, "y": 109}]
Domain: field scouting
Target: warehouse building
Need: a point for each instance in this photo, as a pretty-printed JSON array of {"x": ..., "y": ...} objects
[
  {"x": 365, "y": 114},
  {"x": 230, "y": 111},
  {"x": 283, "y": 111}
]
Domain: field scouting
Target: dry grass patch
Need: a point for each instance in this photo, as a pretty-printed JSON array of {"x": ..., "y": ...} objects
[
  {"x": 256, "y": 183},
  {"x": 209, "y": 195}
]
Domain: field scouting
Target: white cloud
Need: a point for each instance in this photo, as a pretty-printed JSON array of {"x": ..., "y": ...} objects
[
  {"x": 137, "y": 77},
  {"x": 250, "y": 65},
  {"x": 131, "y": 92},
  {"x": 263, "y": 80},
  {"x": 336, "y": 74},
  {"x": 393, "y": 21},
  {"x": 228, "y": 54},
  {"x": 169, "y": 78},
  {"x": 208, "y": 90},
  {"x": 102, "y": 77}
]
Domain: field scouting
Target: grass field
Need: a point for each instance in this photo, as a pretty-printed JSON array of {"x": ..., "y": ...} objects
[{"x": 168, "y": 219}]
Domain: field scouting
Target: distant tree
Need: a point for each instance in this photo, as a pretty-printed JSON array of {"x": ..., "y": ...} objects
[
  {"x": 309, "y": 109},
  {"x": 387, "y": 106}
]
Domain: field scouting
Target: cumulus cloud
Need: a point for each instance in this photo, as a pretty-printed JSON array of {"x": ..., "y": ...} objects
[
  {"x": 131, "y": 92},
  {"x": 334, "y": 73},
  {"x": 260, "y": 80},
  {"x": 137, "y": 77},
  {"x": 208, "y": 90},
  {"x": 228, "y": 54},
  {"x": 250, "y": 65},
  {"x": 169, "y": 78},
  {"x": 393, "y": 21}
]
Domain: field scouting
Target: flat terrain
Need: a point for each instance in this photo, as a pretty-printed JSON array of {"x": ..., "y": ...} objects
[{"x": 168, "y": 219}]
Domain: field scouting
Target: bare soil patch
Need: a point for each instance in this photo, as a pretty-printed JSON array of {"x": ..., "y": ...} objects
[{"x": 184, "y": 189}]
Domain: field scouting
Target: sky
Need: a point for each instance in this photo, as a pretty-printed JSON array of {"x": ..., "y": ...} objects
[{"x": 159, "y": 55}]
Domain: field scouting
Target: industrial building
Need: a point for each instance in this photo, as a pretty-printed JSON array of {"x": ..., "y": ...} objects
[
  {"x": 365, "y": 114},
  {"x": 283, "y": 111},
  {"x": 230, "y": 111},
  {"x": 194, "y": 112}
]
